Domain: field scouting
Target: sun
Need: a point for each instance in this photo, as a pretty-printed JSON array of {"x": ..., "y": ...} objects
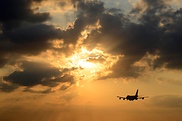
[
  {"x": 91, "y": 64},
  {"x": 81, "y": 59},
  {"x": 84, "y": 64}
]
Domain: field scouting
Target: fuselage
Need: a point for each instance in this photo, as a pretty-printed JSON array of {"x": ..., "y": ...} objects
[{"x": 132, "y": 97}]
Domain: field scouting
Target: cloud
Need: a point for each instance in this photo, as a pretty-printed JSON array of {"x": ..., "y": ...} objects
[
  {"x": 171, "y": 101},
  {"x": 156, "y": 32},
  {"x": 91, "y": 10},
  {"x": 170, "y": 49},
  {"x": 167, "y": 23},
  {"x": 46, "y": 91},
  {"x": 19, "y": 12},
  {"x": 152, "y": 27},
  {"x": 22, "y": 30},
  {"x": 31, "y": 39},
  {"x": 8, "y": 87},
  {"x": 120, "y": 36},
  {"x": 33, "y": 74},
  {"x": 36, "y": 73},
  {"x": 88, "y": 14}
]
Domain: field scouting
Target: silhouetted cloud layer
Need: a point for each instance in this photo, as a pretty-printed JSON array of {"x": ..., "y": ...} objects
[
  {"x": 151, "y": 27},
  {"x": 22, "y": 29},
  {"x": 157, "y": 32},
  {"x": 14, "y": 13},
  {"x": 34, "y": 73}
]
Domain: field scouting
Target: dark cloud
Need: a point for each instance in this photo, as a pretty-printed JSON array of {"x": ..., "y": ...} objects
[
  {"x": 121, "y": 36},
  {"x": 171, "y": 101},
  {"x": 46, "y": 91},
  {"x": 168, "y": 35},
  {"x": 156, "y": 30},
  {"x": 3, "y": 60},
  {"x": 91, "y": 10},
  {"x": 88, "y": 14},
  {"x": 14, "y": 13},
  {"x": 165, "y": 28},
  {"x": 33, "y": 33},
  {"x": 22, "y": 30},
  {"x": 8, "y": 87},
  {"x": 72, "y": 34},
  {"x": 34, "y": 73},
  {"x": 31, "y": 39},
  {"x": 170, "y": 49}
]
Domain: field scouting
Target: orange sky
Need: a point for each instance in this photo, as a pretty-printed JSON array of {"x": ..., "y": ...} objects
[{"x": 68, "y": 60}]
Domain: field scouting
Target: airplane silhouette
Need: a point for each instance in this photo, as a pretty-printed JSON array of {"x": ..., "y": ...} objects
[{"x": 131, "y": 97}]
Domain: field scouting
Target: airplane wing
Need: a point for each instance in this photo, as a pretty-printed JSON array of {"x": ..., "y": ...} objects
[
  {"x": 142, "y": 97},
  {"x": 119, "y": 97}
]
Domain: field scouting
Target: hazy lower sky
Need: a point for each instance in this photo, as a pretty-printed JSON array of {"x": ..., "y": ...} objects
[{"x": 67, "y": 60}]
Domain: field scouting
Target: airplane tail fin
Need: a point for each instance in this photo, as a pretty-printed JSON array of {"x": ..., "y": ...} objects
[{"x": 136, "y": 93}]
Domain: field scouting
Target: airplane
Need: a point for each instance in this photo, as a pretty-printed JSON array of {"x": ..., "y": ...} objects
[{"x": 131, "y": 97}]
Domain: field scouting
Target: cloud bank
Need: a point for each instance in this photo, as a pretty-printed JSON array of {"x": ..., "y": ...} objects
[{"x": 152, "y": 27}]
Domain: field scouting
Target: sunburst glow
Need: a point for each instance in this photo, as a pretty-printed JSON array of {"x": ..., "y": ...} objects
[
  {"x": 83, "y": 59},
  {"x": 91, "y": 64},
  {"x": 85, "y": 64}
]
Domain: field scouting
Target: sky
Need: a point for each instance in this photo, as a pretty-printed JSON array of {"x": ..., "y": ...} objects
[{"x": 68, "y": 60}]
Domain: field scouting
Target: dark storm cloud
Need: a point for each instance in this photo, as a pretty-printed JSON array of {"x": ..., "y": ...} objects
[
  {"x": 34, "y": 73},
  {"x": 121, "y": 36},
  {"x": 158, "y": 31},
  {"x": 33, "y": 33},
  {"x": 31, "y": 39},
  {"x": 169, "y": 39},
  {"x": 72, "y": 34},
  {"x": 14, "y": 12},
  {"x": 166, "y": 101},
  {"x": 170, "y": 46},
  {"x": 91, "y": 11},
  {"x": 88, "y": 14},
  {"x": 22, "y": 30},
  {"x": 168, "y": 35}
]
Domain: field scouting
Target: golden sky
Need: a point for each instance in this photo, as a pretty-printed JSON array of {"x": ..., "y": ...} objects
[{"x": 67, "y": 60}]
